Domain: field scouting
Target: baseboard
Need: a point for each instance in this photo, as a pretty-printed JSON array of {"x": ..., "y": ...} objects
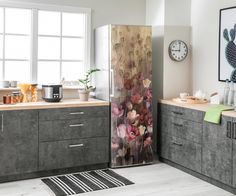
[{"x": 54, "y": 172}]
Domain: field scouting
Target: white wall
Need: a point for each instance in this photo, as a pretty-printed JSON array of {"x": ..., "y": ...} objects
[
  {"x": 155, "y": 12},
  {"x": 205, "y": 37},
  {"x": 178, "y": 12},
  {"x": 177, "y": 76},
  {"x": 170, "y": 78}
]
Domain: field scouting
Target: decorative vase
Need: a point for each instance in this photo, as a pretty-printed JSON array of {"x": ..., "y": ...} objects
[{"x": 84, "y": 94}]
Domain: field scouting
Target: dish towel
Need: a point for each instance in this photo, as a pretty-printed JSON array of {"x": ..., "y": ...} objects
[{"x": 213, "y": 114}]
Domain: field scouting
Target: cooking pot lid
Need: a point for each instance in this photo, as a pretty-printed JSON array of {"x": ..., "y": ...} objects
[{"x": 51, "y": 85}]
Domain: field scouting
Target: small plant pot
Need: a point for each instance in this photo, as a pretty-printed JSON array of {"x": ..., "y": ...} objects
[{"x": 84, "y": 95}]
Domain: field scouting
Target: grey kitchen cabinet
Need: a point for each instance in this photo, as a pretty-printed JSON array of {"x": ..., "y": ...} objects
[
  {"x": 73, "y": 113},
  {"x": 72, "y": 153},
  {"x": 36, "y": 142},
  {"x": 72, "y": 129},
  {"x": 182, "y": 152},
  {"x": 180, "y": 137},
  {"x": 217, "y": 150},
  {"x": 71, "y": 137},
  {"x": 234, "y": 150},
  {"x": 18, "y": 142},
  {"x": 204, "y": 149}
]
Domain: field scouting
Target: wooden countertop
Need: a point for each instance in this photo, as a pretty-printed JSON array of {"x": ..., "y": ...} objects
[
  {"x": 201, "y": 107},
  {"x": 64, "y": 103}
]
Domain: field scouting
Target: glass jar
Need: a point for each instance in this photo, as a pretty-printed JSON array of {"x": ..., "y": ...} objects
[{"x": 16, "y": 97}]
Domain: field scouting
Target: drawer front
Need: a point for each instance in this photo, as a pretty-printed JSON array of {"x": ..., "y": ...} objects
[
  {"x": 73, "y": 129},
  {"x": 182, "y": 128},
  {"x": 74, "y": 113},
  {"x": 72, "y": 153},
  {"x": 182, "y": 152},
  {"x": 180, "y": 112}
]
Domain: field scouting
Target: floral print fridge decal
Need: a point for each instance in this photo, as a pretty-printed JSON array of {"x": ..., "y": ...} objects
[{"x": 131, "y": 95}]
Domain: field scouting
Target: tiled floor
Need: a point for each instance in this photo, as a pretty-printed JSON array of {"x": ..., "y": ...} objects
[{"x": 152, "y": 180}]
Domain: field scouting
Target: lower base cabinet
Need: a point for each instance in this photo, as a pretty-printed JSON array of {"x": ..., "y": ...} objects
[
  {"x": 234, "y": 162},
  {"x": 183, "y": 152},
  {"x": 73, "y": 153},
  {"x": 217, "y": 151},
  {"x": 35, "y": 142},
  {"x": 202, "y": 148},
  {"x": 18, "y": 142}
]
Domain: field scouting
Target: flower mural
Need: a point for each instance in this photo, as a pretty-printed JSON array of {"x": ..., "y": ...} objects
[{"x": 132, "y": 130}]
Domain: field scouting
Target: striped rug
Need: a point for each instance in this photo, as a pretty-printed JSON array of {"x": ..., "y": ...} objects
[{"x": 72, "y": 184}]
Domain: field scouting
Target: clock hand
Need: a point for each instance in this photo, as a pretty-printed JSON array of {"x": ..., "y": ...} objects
[{"x": 179, "y": 46}]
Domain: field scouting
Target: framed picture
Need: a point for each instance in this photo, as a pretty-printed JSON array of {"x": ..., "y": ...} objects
[{"x": 227, "y": 46}]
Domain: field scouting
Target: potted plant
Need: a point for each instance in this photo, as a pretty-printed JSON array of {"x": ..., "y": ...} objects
[{"x": 84, "y": 92}]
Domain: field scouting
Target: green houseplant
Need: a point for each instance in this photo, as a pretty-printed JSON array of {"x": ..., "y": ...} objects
[{"x": 84, "y": 92}]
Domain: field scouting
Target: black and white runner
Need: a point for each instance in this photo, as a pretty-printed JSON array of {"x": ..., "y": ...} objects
[{"x": 72, "y": 184}]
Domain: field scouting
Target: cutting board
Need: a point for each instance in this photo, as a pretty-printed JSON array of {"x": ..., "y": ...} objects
[{"x": 190, "y": 100}]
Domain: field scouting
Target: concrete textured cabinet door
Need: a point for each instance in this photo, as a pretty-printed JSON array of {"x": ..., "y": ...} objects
[
  {"x": 181, "y": 136},
  {"x": 18, "y": 142},
  {"x": 217, "y": 150},
  {"x": 72, "y": 137},
  {"x": 234, "y": 151}
]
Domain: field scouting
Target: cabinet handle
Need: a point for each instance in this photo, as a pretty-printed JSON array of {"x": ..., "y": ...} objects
[
  {"x": 177, "y": 113},
  {"x": 112, "y": 83},
  {"x": 234, "y": 131},
  {"x": 76, "y": 145},
  {"x": 177, "y": 125},
  {"x": 77, "y": 125},
  {"x": 228, "y": 128},
  {"x": 76, "y": 113},
  {"x": 177, "y": 144},
  {"x": 2, "y": 123}
]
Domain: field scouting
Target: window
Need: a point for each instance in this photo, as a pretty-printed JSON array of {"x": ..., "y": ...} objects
[
  {"x": 43, "y": 44},
  {"x": 15, "y": 33}
]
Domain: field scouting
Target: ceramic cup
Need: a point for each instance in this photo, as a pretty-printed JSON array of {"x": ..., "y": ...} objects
[
  {"x": 13, "y": 84},
  {"x": 4, "y": 84},
  {"x": 183, "y": 95}
]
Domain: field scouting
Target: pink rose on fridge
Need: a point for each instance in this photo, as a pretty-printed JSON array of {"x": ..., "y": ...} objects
[
  {"x": 132, "y": 132},
  {"x": 121, "y": 131},
  {"x": 136, "y": 99},
  {"x": 132, "y": 115},
  {"x": 117, "y": 111}
]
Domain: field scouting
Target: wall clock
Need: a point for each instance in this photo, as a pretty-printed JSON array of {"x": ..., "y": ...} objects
[{"x": 178, "y": 50}]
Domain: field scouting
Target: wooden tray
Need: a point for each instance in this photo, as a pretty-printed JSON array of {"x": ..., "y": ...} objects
[{"x": 190, "y": 100}]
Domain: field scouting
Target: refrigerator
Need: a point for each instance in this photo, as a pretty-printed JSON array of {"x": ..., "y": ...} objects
[{"x": 123, "y": 53}]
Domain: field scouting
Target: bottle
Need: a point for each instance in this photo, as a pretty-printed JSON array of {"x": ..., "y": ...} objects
[
  {"x": 231, "y": 94},
  {"x": 226, "y": 92}
]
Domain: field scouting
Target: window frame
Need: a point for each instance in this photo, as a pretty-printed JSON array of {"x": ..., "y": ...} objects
[{"x": 35, "y": 7}]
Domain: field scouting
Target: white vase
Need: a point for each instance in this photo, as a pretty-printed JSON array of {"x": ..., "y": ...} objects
[{"x": 84, "y": 94}]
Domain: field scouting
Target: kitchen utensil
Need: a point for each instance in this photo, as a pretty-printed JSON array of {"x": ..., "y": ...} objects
[{"x": 52, "y": 92}]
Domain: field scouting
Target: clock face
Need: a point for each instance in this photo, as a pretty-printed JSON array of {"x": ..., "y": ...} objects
[{"x": 178, "y": 50}]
